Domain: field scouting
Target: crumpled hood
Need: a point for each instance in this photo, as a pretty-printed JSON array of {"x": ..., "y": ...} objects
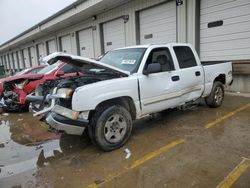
[
  {"x": 79, "y": 61},
  {"x": 24, "y": 76}
]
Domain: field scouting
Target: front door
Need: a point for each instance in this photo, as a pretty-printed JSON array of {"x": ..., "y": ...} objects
[{"x": 159, "y": 90}]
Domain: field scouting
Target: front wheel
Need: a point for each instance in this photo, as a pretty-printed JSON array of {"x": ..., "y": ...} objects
[
  {"x": 216, "y": 96},
  {"x": 111, "y": 127}
]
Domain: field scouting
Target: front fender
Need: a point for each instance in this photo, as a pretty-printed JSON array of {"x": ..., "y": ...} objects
[{"x": 87, "y": 97}]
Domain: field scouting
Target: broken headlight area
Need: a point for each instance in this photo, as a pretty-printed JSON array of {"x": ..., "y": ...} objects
[
  {"x": 59, "y": 92},
  {"x": 65, "y": 112}
]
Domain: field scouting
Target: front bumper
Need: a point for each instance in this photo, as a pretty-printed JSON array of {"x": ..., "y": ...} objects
[{"x": 69, "y": 126}]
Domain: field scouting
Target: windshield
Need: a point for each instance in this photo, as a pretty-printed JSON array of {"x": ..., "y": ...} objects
[
  {"x": 21, "y": 72},
  {"x": 48, "y": 69},
  {"x": 125, "y": 59}
]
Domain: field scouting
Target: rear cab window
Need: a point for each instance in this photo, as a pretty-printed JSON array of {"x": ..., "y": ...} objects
[{"x": 185, "y": 57}]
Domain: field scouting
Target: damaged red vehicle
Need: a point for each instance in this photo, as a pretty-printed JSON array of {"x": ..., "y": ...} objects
[
  {"x": 17, "y": 88},
  {"x": 32, "y": 70}
]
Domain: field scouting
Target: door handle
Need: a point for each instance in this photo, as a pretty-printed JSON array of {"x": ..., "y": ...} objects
[
  {"x": 197, "y": 73},
  {"x": 175, "y": 78}
]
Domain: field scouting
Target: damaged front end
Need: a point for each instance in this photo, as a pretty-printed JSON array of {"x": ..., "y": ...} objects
[
  {"x": 14, "y": 96},
  {"x": 52, "y": 101}
]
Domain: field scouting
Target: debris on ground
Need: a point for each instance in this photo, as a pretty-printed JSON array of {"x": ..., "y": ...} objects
[
  {"x": 20, "y": 119},
  {"x": 5, "y": 114},
  {"x": 128, "y": 153}
]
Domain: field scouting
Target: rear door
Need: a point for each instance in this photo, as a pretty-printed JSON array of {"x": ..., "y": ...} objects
[
  {"x": 191, "y": 74},
  {"x": 160, "y": 90}
]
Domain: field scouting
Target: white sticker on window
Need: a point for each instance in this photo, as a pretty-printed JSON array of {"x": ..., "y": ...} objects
[{"x": 128, "y": 62}]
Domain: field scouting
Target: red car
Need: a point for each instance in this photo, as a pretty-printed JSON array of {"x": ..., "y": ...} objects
[
  {"x": 15, "y": 89},
  {"x": 32, "y": 70}
]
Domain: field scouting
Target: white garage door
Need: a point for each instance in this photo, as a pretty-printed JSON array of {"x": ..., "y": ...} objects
[
  {"x": 9, "y": 61},
  {"x": 114, "y": 34},
  {"x": 32, "y": 56},
  {"x": 15, "y": 60},
  {"x": 21, "y": 63},
  {"x": 66, "y": 44},
  {"x": 51, "y": 46},
  {"x": 40, "y": 51},
  {"x": 225, "y": 30},
  {"x": 26, "y": 58},
  {"x": 86, "y": 43},
  {"x": 158, "y": 24},
  {"x": 6, "y": 62}
]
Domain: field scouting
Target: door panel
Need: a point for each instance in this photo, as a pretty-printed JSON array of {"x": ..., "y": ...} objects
[
  {"x": 191, "y": 75},
  {"x": 160, "y": 90}
]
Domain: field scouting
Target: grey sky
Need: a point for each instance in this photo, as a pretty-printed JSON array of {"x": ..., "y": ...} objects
[{"x": 18, "y": 15}]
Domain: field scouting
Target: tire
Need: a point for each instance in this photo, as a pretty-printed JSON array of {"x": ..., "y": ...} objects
[
  {"x": 216, "y": 96},
  {"x": 110, "y": 127}
]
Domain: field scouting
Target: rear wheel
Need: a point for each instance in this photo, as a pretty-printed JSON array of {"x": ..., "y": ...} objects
[
  {"x": 216, "y": 96},
  {"x": 111, "y": 127}
]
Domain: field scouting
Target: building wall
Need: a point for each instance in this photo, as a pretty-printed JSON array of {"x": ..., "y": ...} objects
[{"x": 129, "y": 8}]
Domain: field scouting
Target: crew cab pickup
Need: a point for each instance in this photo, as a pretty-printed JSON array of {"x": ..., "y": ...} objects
[{"x": 128, "y": 84}]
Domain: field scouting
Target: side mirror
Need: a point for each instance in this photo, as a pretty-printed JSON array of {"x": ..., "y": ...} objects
[
  {"x": 152, "y": 68},
  {"x": 60, "y": 73}
]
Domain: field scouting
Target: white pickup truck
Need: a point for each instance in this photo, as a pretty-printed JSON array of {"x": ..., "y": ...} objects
[{"x": 127, "y": 84}]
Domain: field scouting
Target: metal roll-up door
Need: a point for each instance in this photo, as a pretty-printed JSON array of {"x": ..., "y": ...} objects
[
  {"x": 158, "y": 24},
  {"x": 20, "y": 57},
  {"x": 15, "y": 60},
  {"x": 26, "y": 58},
  {"x": 40, "y": 51},
  {"x": 225, "y": 30},
  {"x": 65, "y": 43},
  {"x": 10, "y": 61},
  {"x": 86, "y": 43},
  {"x": 114, "y": 34},
  {"x": 32, "y": 56},
  {"x": 51, "y": 45},
  {"x": 6, "y": 62}
]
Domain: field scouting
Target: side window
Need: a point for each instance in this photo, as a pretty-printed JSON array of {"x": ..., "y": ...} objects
[
  {"x": 185, "y": 57},
  {"x": 162, "y": 56},
  {"x": 68, "y": 69}
]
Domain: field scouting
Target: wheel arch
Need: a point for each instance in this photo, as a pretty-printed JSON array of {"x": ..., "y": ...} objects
[
  {"x": 220, "y": 78},
  {"x": 125, "y": 101}
]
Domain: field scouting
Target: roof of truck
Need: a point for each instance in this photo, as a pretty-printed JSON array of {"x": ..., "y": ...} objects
[{"x": 150, "y": 45}]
